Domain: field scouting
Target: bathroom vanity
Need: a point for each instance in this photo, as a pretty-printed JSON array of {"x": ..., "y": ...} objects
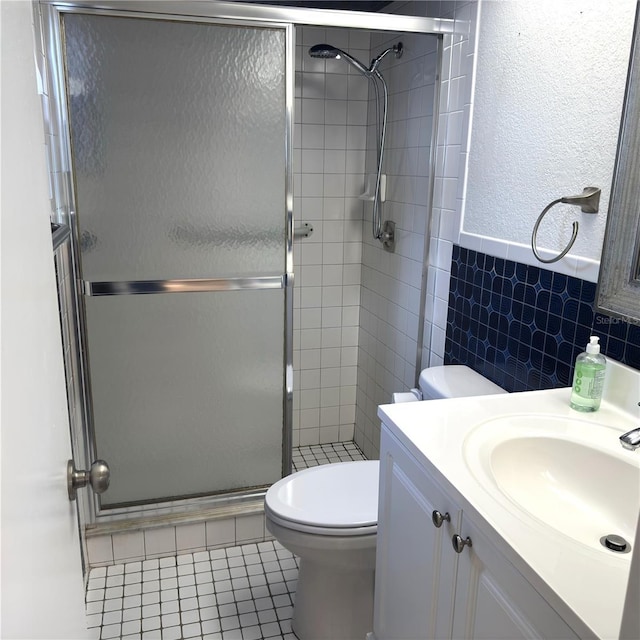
[{"x": 489, "y": 526}]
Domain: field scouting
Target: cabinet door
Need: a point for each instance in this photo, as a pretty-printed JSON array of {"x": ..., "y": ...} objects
[
  {"x": 493, "y": 601},
  {"x": 415, "y": 580}
]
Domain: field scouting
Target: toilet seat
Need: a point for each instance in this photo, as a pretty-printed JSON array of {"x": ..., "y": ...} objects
[{"x": 338, "y": 499}]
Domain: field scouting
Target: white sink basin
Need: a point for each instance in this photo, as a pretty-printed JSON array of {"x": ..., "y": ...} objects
[{"x": 570, "y": 474}]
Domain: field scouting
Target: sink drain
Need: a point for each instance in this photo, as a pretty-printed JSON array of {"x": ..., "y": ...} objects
[{"x": 615, "y": 543}]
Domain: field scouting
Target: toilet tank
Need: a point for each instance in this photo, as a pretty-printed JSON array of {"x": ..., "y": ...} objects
[{"x": 455, "y": 381}]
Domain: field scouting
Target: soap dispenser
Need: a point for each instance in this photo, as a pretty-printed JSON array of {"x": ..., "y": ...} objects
[{"x": 588, "y": 378}]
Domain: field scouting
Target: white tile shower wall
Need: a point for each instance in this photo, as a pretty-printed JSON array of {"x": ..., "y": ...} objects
[
  {"x": 456, "y": 103},
  {"x": 329, "y": 159},
  {"x": 391, "y": 282}
]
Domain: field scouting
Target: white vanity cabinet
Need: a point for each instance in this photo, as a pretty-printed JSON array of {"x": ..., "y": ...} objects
[{"x": 424, "y": 588}]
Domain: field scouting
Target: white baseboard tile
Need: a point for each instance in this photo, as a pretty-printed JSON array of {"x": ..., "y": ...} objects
[
  {"x": 128, "y": 546},
  {"x": 100, "y": 551}
]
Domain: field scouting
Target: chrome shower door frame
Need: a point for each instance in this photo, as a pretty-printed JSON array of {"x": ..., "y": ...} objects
[
  {"x": 221, "y": 13},
  {"x": 84, "y": 437}
]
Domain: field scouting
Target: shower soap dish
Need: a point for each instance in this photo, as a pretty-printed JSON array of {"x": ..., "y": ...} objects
[{"x": 370, "y": 190}]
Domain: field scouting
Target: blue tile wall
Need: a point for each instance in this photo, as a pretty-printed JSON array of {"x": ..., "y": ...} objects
[{"x": 523, "y": 326}]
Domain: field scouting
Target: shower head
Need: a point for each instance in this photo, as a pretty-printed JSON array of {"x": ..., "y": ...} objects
[
  {"x": 324, "y": 51},
  {"x": 329, "y": 51}
]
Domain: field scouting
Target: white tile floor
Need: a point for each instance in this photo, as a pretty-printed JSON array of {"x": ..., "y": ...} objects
[
  {"x": 238, "y": 593},
  {"x": 243, "y": 593}
]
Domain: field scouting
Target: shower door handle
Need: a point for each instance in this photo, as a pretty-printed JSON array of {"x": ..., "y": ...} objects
[{"x": 98, "y": 477}]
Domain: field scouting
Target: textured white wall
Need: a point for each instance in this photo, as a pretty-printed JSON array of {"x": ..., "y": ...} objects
[{"x": 548, "y": 95}]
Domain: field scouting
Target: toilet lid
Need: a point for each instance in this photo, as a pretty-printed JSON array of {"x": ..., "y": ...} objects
[{"x": 340, "y": 495}]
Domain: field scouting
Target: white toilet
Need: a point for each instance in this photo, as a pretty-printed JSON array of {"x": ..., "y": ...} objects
[{"x": 328, "y": 517}]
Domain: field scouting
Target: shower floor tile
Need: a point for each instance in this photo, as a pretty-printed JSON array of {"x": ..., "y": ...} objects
[
  {"x": 238, "y": 593},
  {"x": 312, "y": 456}
]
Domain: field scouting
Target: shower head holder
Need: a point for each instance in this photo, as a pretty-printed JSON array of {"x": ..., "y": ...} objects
[{"x": 397, "y": 49}]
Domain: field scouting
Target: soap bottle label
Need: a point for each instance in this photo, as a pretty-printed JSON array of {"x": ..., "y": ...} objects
[{"x": 588, "y": 382}]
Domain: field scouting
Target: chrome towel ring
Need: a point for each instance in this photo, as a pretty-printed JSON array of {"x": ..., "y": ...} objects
[{"x": 588, "y": 201}]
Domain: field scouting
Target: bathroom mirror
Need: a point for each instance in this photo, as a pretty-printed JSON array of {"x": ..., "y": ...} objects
[{"x": 619, "y": 280}]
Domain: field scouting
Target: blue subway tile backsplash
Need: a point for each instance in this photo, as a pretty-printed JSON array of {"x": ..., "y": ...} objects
[{"x": 523, "y": 326}]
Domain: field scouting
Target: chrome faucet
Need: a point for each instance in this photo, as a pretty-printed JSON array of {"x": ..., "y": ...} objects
[{"x": 631, "y": 439}]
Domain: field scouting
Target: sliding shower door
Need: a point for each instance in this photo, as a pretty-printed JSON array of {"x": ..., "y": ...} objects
[{"x": 179, "y": 134}]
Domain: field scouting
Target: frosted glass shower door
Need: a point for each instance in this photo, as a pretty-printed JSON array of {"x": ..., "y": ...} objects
[{"x": 178, "y": 133}]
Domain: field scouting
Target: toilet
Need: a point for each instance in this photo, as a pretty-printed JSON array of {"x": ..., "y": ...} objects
[{"x": 328, "y": 517}]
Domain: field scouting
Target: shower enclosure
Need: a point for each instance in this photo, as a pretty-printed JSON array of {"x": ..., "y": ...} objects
[{"x": 199, "y": 366}]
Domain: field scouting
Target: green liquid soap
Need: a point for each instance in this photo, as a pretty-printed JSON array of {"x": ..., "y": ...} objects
[{"x": 588, "y": 378}]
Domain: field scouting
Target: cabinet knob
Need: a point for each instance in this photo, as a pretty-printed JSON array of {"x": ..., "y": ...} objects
[
  {"x": 437, "y": 518},
  {"x": 459, "y": 543}
]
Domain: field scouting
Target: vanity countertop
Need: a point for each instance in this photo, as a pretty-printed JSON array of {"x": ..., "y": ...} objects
[{"x": 585, "y": 584}]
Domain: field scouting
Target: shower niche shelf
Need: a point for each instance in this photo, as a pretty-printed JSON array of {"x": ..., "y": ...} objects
[{"x": 370, "y": 188}]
